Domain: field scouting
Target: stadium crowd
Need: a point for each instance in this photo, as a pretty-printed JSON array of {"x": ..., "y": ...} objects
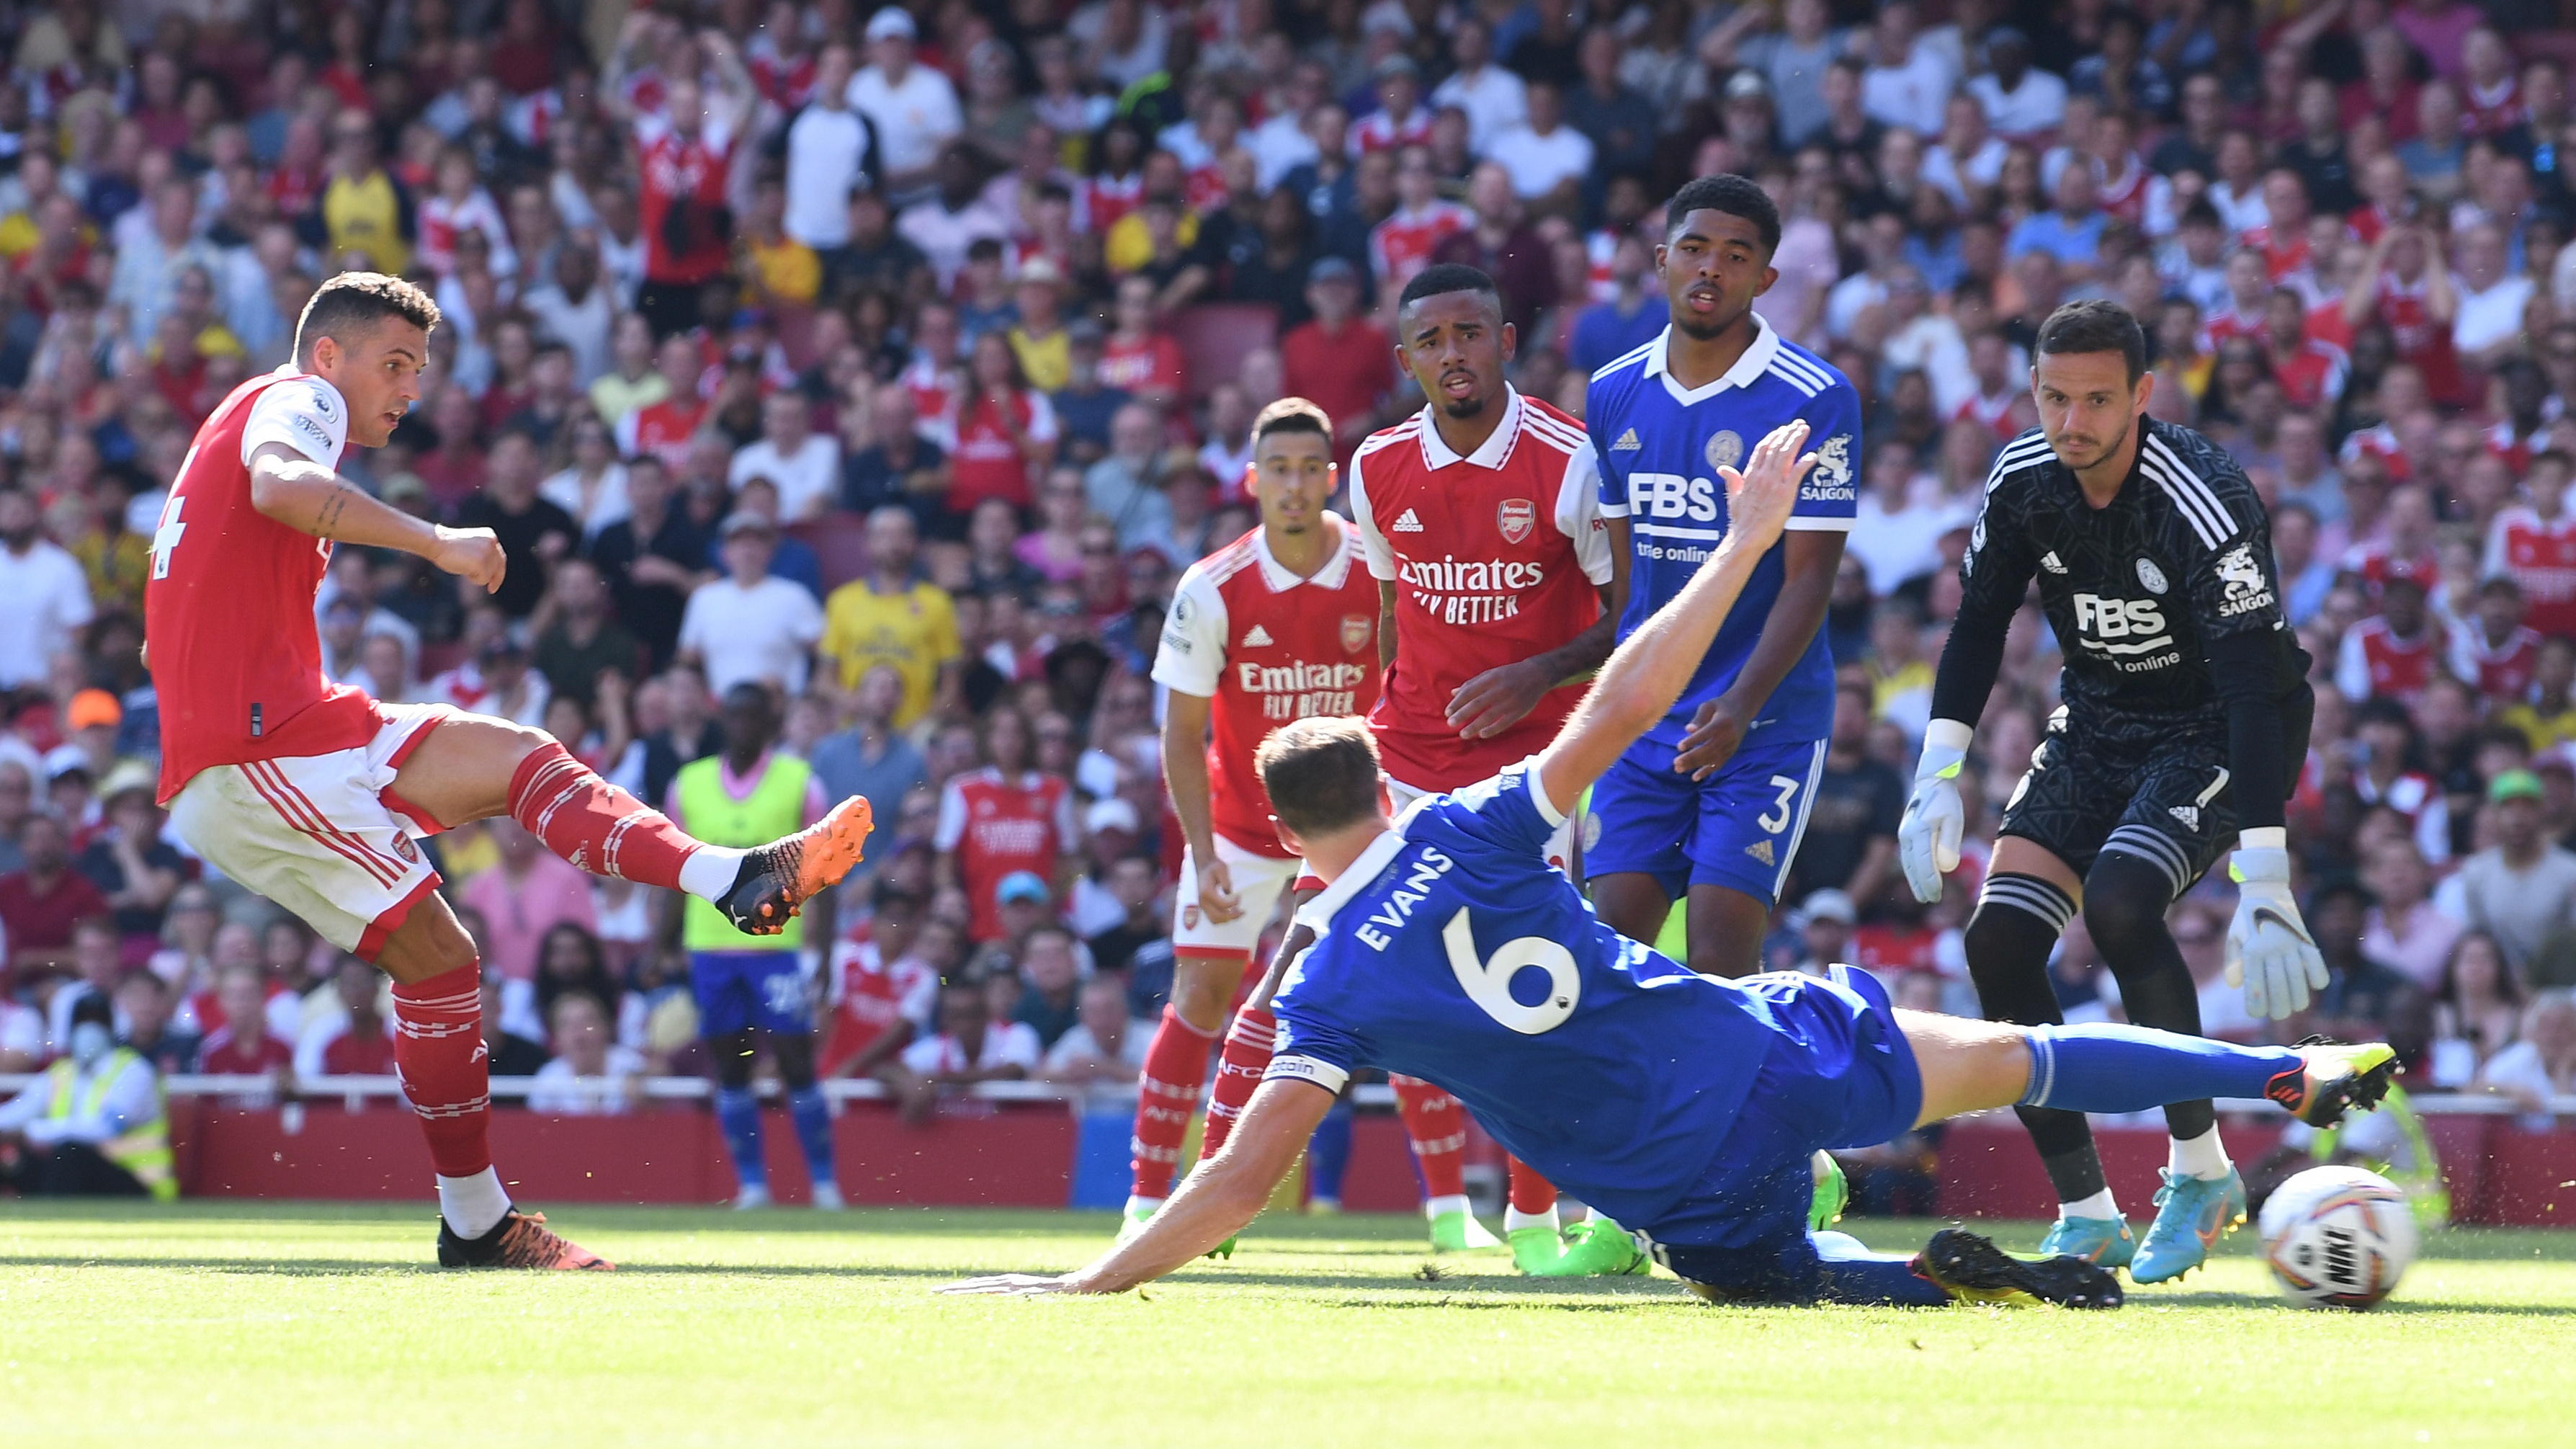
[{"x": 898, "y": 362}]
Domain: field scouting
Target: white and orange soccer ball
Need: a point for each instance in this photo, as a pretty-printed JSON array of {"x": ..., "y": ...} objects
[{"x": 2337, "y": 1237}]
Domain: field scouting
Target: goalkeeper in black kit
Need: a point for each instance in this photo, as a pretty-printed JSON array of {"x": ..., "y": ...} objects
[{"x": 2186, "y": 713}]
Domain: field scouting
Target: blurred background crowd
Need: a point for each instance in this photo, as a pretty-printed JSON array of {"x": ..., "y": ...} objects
[{"x": 897, "y": 361}]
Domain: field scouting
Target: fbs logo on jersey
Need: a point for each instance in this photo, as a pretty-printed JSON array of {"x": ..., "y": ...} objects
[
  {"x": 1518, "y": 518},
  {"x": 1408, "y": 523},
  {"x": 1761, "y": 850},
  {"x": 2129, "y": 632},
  {"x": 1357, "y": 629},
  {"x": 1627, "y": 442},
  {"x": 1256, "y": 637},
  {"x": 2049, "y": 561}
]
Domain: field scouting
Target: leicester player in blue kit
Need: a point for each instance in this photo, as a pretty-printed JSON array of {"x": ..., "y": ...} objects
[
  {"x": 1686, "y": 1105},
  {"x": 1713, "y": 799}
]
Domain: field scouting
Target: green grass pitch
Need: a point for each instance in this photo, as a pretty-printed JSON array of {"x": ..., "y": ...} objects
[{"x": 321, "y": 1324}]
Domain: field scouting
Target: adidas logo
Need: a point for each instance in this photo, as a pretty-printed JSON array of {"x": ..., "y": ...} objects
[
  {"x": 2189, "y": 815},
  {"x": 2049, "y": 562},
  {"x": 1258, "y": 638},
  {"x": 1408, "y": 523},
  {"x": 1761, "y": 850},
  {"x": 1627, "y": 442}
]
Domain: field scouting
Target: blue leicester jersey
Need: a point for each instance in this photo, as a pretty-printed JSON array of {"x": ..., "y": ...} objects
[
  {"x": 1660, "y": 447},
  {"x": 1451, "y": 951}
]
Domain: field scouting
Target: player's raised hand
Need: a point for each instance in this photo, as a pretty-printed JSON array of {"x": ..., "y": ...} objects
[
  {"x": 2269, "y": 950},
  {"x": 1759, "y": 497},
  {"x": 1217, "y": 899},
  {"x": 1014, "y": 1285},
  {"x": 472, "y": 554}
]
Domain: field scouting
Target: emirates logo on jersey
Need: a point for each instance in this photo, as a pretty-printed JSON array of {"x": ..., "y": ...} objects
[
  {"x": 1357, "y": 629},
  {"x": 1518, "y": 519}
]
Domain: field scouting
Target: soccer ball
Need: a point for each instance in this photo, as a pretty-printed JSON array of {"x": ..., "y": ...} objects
[{"x": 2337, "y": 1237}]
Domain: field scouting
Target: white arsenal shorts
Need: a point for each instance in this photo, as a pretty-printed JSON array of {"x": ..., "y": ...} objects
[
  {"x": 315, "y": 833},
  {"x": 1258, "y": 882}
]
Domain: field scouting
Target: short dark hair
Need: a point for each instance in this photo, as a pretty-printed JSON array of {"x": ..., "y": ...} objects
[
  {"x": 350, "y": 305},
  {"x": 1291, "y": 415},
  {"x": 1729, "y": 193},
  {"x": 1442, "y": 279},
  {"x": 2558, "y": 456},
  {"x": 2096, "y": 326},
  {"x": 1321, "y": 774}
]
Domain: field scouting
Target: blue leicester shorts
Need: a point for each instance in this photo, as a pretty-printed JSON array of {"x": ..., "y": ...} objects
[
  {"x": 1838, "y": 1074},
  {"x": 1738, "y": 828},
  {"x": 739, "y": 990}
]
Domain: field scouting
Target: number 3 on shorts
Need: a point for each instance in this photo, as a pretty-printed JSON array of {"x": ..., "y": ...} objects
[
  {"x": 1488, "y": 983},
  {"x": 1776, "y": 819}
]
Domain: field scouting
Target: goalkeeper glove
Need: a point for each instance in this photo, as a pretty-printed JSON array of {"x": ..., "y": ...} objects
[
  {"x": 2269, "y": 951},
  {"x": 1927, "y": 843}
]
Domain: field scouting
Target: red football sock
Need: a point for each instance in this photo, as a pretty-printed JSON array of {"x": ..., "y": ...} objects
[
  {"x": 439, "y": 1054},
  {"x": 1238, "y": 1072},
  {"x": 1167, "y": 1091},
  {"x": 1531, "y": 1193},
  {"x": 1438, "y": 1126},
  {"x": 593, "y": 824}
]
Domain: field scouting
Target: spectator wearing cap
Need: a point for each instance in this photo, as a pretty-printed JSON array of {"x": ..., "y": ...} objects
[
  {"x": 1341, "y": 362},
  {"x": 913, "y": 107},
  {"x": 831, "y": 153},
  {"x": 2522, "y": 889},
  {"x": 1038, "y": 335},
  {"x": 1022, "y": 902},
  {"x": 1826, "y": 919},
  {"x": 2020, "y": 101},
  {"x": 43, "y": 593},
  {"x": 750, "y": 625},
  {"x": 45, "y": 898},
  {"x": 803, "y": 463},
  {"x": 92, "y": 720},
  {"x": 132, "y": 866}
]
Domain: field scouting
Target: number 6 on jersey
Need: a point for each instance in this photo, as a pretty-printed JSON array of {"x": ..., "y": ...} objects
[{"x": 1488, "y": 983}]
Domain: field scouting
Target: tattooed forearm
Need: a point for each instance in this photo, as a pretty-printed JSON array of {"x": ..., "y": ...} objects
[{"x": 333, "y": 505}]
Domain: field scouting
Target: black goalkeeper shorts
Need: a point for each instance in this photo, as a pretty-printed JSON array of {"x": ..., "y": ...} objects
[{"x": 2165, "y": 800}]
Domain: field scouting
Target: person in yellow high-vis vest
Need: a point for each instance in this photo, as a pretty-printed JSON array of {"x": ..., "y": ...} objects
[
  {"x": 753, "y": 983},
  {"x": 92, "y": 1125}
]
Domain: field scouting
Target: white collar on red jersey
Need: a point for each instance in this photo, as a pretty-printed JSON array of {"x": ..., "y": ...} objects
[
  {"x": 1755, "y": 362},
  {"x": 1492, "y": 453},
  {"x": 1330, "y": 576}
]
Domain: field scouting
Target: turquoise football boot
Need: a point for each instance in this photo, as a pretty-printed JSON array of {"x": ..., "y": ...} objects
[
  {"x": 2103, "y": 1242},
  {"x": 2192, "y": 1214}
]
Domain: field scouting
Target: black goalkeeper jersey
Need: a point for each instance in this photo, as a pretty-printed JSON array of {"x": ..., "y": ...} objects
[{"x": 2137, "y": 593}]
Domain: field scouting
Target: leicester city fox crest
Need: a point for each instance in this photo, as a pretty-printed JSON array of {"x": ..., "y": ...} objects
[{"x": 1725, "y": 449}]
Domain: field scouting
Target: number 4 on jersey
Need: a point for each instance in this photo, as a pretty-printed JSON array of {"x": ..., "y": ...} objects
[
  {"x": 165, "y": 538},
  {"x": 1488, "y": 983}
]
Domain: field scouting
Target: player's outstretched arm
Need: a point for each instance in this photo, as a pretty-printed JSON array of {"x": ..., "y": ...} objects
[
  {"x": 1647, "y": 673},
  {"x": 309, "y": 498},
  {"x": 1212, "y": 1206}
]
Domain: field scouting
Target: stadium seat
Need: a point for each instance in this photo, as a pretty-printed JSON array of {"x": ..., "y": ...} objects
[
  {"x": 1214, "y": 336},
  {"x": 840, "y": 544}
]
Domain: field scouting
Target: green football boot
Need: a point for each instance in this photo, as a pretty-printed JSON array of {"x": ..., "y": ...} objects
[
  {"x": 1833, "y": 1193},
  {"x": 1598, "y": 1248},
  {"x": 1536, "y": 1250},
  {"x": 1459, "y": 1232}
]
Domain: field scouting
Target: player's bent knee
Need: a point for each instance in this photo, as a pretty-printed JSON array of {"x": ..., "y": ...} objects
[
  {"x": 1632, "y": 904},
  {"x": 2125, "y": 896},
  {"x": 1203, "y": 987}
]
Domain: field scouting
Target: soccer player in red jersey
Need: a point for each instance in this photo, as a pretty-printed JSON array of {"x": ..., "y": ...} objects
[
  {"x": 1279, "y": 625},
  {"x": 312, "y": 794}
]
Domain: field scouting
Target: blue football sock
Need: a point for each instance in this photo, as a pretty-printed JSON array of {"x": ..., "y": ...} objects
[
  {"x": 814, "y": 1130},
  {"x": 1328, "y": 1154},
  {"x": 738, "y": 1115},
  {"x": 2104, "y": 1068}
]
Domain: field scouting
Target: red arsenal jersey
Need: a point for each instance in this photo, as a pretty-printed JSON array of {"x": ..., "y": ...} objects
[
  {"x": 1495, "y": 557},
  {"x": 2501, "y": 672},
  {"x": 1402, "y": 244},
  {"x": 996, "y": 826},
  {"x": 2376, "y": 662},
  {"x": 228, "y": 620},
  {"x": 1267, "y": 647},
  {"x": 2540, "y": 557},
  {"x": 688, "y": 248},
  {"x": 870, "y": 996}
]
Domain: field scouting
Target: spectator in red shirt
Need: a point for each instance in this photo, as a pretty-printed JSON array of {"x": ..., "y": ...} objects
[
  {"x": 242, "y": 1047},
  {"x": 361, "y": 1044},
  {"x": 40, "y": 904},
  {"x": 683, "y": 157},
  {"x": 1139, "y": 358},
  {"x": 1341, "y": 362}
]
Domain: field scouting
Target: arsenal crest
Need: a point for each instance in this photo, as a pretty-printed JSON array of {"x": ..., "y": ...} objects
[
  {"x": 1356, "y": 632},
  {"x": 404, "y": 848},
  {"x": 1517, "y": 518}
]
